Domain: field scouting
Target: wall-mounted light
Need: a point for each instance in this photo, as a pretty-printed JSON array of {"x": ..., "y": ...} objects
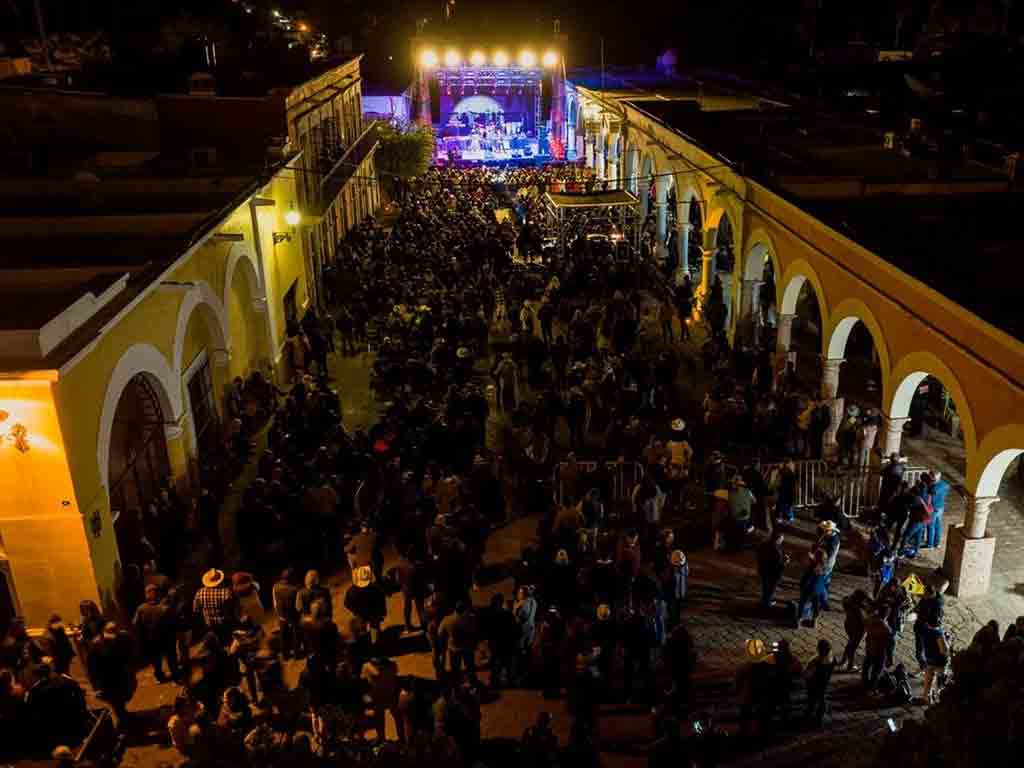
[
  {"x": 17, "y": 435},
  {"x": 292, "y": 218}
]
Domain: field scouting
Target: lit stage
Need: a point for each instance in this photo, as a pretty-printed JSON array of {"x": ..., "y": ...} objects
[{"x": 489, "y": 109}]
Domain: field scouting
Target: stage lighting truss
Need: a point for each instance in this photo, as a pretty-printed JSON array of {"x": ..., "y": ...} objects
[{"x": 510, "y": 80}]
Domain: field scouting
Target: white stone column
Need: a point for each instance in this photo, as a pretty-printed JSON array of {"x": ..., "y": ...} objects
[
  {"x": 748, "y": 299},
  {"x": 892, "y": 436},
  {"x": 612, "y": 172},
  {"x": 661, "y": 214},
  {"x": 643, "y": 192},
  {"x": 685, "y": 228},
  {"x": 707, "y": 261},
  {"x": 784, "y": 332},
  {"x": 970, "y": 551},
  {"x": 783, "y": 340},
  {"x": 589, "y": 150},
  {"x": 829, "y": 392},
  {"x": 599, "y": 164},
  {"x": 976, "y": 519}
]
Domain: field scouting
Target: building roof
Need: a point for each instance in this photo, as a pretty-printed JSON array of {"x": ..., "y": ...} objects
[
  {"x": 962, "y": 246},
  {"x": 776, "y": 144},
  {"x": 610, "y": 199}
]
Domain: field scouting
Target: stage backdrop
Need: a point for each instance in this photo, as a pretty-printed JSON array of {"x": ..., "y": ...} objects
[{"x": 515, "y": 107}]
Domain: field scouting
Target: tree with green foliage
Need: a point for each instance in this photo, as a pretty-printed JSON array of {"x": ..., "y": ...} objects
[{"x": 402, "y": 155}]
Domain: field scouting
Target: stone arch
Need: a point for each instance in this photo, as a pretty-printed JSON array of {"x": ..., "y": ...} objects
[
  {"x": 201, "y": 297},
  {"x": 844, "y": 319},
  {"x": 761, "y": 245},
  {"x": 239, "y": 256},
  {"x": 994, "y": 456},
  {"x": 147, "y": 360},
  {"x": 910, "y": 371},
  {"x": 248, "y": 331},
  {"x": 793, "y": 280}
]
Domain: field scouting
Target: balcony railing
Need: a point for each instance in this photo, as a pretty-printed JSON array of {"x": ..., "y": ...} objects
[{"x": 344, "y": 167}]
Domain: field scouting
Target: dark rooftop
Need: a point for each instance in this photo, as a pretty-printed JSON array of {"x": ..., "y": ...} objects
[
  {"x": 965, "y": 247},
  {"x": 774, "y": 144}
]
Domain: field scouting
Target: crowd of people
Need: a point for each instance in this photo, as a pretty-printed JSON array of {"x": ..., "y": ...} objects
[{"x": 594, "y": 436}]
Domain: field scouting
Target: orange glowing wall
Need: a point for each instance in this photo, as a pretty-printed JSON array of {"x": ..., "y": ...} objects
[{"x": 42, "y": 532}]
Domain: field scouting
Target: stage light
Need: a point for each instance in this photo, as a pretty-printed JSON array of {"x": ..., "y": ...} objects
[
  {"x": 527, "y": 59},
  {"x": 428, "y": 59},
  {"x": 477, "y": 59},
  {"x": 550, "y": 59},
  {"x": 500, "y": 59},
  {"x": 452, "y": 58}
]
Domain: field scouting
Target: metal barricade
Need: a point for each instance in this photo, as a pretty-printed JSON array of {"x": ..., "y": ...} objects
[{"x": 625, "y": 477}]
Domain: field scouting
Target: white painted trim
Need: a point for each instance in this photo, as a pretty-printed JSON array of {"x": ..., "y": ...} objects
[
  {"x": 139, "y": 358},
  {"x": 189, "y": 373},
  {"x": 238, "y": 253},
  {"x": 201, "y": 295}
]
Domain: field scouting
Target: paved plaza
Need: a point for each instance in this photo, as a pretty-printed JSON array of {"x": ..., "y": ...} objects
[{"x": 722, "y": 613}]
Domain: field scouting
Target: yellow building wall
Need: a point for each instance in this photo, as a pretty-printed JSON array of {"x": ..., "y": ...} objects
[
  {"x": 41, "y": 527},
  {"x": 81, "y": 390},
  {"x": 284, "y": 263}
]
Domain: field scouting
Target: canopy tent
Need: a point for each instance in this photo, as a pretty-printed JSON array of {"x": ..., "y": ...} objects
[
  {"x": 580, "y": 210},
  {"x": 608, "y": 199}
]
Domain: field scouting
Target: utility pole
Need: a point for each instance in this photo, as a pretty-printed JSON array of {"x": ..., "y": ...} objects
[{"x": 42, "y": 37}]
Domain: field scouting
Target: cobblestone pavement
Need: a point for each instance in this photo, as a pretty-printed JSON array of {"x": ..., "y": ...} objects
[{"x": 722, "y": 613}]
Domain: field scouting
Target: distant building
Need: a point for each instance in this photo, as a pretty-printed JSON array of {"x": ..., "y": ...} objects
[{"x": 151, "y": 250}]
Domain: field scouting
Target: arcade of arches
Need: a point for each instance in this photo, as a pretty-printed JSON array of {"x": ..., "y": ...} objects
[{"x": 853, "y": 324}]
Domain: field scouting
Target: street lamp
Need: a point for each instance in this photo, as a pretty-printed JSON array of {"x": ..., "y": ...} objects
[
  {"x": 428, "y": 59},
  {"x": 477, "y": 58},
  {"x": 452, "y": 58},
  {"x": 500, "y": 59},
  {"x": 527, "y": 58},
  {"x": 550, "y": 59}
]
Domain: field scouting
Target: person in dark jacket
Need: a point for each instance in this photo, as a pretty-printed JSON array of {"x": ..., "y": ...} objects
[
  {"x": 412, "y": 580},
  {"x": 367, "y": 601},
  {"x": 855, "y": 606},
  {"x": 111, "y": 677},
  {"x": 57, "y": 646},
  {"x": 674, "y": 583},
  {"x": 285, "y": 597},
  {"x": 771, "y": 565},
  {"x": 154, "y": 630}
]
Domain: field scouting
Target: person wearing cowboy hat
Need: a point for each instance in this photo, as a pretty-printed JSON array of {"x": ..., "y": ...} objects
[
  {"x": 216, "y": 604},
  {"x": 828, "y": 542},
  {"x": 674, "y": 582},
  {"x": 367, "y": 601}
]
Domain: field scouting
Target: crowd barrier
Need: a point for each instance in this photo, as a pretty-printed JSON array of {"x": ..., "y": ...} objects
[
  {"x": 855, "y": 489},
  {"x": 625, "y": 476}
]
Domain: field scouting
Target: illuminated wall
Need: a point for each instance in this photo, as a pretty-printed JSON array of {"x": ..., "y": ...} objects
[{"x": 41, "y": 527}]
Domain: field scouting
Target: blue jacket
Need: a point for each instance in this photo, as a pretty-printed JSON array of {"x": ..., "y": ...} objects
[{"x": 940, "y": 490}]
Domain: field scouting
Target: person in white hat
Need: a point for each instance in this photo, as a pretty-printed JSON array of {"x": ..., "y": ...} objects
[
  {"x": 367, "y": 601},
  {"x": 674, "y": 582},
  {"x": 216, "y": 604},
  {"x": 828, "y": 542},
  {"x": 680, "y": 454}
]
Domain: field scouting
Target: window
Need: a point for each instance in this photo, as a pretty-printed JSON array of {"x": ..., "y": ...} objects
[{"x": 291, "y": 308}]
